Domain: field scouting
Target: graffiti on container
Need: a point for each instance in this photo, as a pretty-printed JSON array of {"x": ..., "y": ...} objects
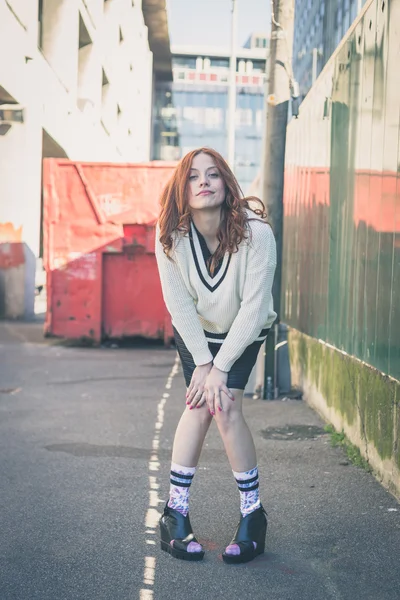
[
  {"x": 112, "y": 204},
  {"x": 82, "y": 266},
  {"x": 78, "y": 265}
]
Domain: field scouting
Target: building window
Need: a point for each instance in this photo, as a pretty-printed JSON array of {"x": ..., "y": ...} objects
[
  {"x": 184, "y": 61},
  {"x": 219, "y": 62},
  {"x": 212, "y": 118},
  {"x": 244, "y": 117},
  {"x": 258, "y": 66}
]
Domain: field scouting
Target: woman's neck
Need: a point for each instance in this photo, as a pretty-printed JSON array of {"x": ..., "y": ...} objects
[{"x": 207, "y": 222}]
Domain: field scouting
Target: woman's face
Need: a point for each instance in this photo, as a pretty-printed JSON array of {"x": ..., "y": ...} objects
[{"x": 206, "y": 186}]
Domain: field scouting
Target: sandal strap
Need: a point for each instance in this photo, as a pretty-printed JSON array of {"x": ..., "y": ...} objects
[
  {"x": 248, "y": 529},
  {"x": 244, "y": 546},
  {"x": 178, "y": 527},
  {"x": 183, "y": 544}
]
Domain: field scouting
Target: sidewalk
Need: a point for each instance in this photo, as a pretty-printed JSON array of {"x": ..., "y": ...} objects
[
  {"x": 334, "y": 532},
  {"x": 85, "y": 440}
]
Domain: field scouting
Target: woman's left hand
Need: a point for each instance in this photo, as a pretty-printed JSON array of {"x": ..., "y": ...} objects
[{"x": 214, "y": 386}]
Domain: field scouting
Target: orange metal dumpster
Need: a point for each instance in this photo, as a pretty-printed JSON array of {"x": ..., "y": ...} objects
[{"x": 98, "y": 233}]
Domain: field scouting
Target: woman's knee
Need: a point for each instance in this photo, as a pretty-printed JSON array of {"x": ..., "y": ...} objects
[
  {"x": 201, "y": 415},
  {"x": 229, "y": 416}
]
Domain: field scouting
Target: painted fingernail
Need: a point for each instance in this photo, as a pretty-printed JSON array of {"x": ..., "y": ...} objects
[
  {"x": 213, "y": 413},
  {"x": 191, "y": 408},
  {"x": 188, "y": 402},
  {"x": 220, "y": 409}
]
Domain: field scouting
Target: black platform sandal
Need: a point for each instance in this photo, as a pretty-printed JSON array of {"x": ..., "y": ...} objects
[
  {"x": 174, "y": 526},
  {"x": 251, "y": 528}
]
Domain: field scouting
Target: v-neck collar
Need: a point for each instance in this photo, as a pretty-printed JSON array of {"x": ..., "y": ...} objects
[
  {"x": 207, "y": 254},
  {"x": 211, "y": 283}
]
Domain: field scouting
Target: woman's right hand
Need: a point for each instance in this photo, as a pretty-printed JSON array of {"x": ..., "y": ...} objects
[{"x": 195, "y": 395}]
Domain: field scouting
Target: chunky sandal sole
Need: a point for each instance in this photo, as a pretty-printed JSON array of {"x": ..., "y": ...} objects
[
  {"x": 237, "y": 559},
  {"x": 181, "y": 554}
]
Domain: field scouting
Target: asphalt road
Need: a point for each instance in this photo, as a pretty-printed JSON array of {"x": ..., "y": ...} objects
[{"x": 85, "y": 443}]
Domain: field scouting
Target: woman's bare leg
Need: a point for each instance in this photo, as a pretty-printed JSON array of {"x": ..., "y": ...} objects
[
  {"x": 189, "y": 436},
  {"x": 238, "y": 441},
  {"x": 235, "y": 433},
  {"x": 188, "y": 442}
]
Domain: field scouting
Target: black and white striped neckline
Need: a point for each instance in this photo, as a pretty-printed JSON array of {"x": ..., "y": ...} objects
[{"x": 200, "y": 255}]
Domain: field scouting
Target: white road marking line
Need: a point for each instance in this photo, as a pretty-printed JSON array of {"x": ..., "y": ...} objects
[{"x": 153, "y": 515}]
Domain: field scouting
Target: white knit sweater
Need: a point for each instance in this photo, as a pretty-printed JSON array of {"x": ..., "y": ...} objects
[{"x": 237, "y": 301}]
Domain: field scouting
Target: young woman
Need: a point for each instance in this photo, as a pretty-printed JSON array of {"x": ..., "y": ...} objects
[{"x": 216, "y": 257}]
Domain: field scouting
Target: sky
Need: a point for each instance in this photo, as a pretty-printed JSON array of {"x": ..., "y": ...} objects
[{"x": 208, "y": 22}]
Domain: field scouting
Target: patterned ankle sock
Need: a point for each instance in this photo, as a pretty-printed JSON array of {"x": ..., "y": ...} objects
[
  {"x": 249, "y": 490},
  {"x": 249, "y": 499},
  {"x": 181, "y": 479}
]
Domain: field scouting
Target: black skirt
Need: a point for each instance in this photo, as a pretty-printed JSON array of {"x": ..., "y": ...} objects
[{"x": 240, "y": 372}]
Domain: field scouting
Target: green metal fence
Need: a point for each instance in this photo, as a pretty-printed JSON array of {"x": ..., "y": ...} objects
[{"x": 341, "y": 259}]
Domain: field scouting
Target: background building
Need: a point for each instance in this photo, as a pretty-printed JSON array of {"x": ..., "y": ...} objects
[
  {"x": 319, "y": 27},
  {"x": 192, "y": 110},
  {"x": 76, "y": 81}
]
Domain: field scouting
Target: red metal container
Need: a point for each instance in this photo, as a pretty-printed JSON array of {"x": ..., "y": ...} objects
[{"x": 98, "y": 232}]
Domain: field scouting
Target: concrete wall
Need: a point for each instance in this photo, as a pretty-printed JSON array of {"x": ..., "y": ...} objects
[
  {"x": 84, "y": 80},
  {"x": 355, "y": 398}
]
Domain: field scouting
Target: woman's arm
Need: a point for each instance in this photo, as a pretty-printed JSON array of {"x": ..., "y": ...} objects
[
  {"x": 181, "y": 307},
  {"x": 256, "y": 303}
]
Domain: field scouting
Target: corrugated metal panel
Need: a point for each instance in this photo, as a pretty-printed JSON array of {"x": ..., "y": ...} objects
[{"x": 341, "y": 275}]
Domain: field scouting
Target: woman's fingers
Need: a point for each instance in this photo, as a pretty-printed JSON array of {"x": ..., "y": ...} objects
[
  {"x": 192, "y": 391},
  {"x": 196, "y": 399},
  {"x": 189, "y": 392},
  {"x": 210, "y": 401},
  {"x": 228, "y": 392},
  {"x": 201, "y": 401},
  {"x": 217, "y": 400}
]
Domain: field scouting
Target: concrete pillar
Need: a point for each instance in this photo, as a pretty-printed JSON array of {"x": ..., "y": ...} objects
[
  {"x": 60, "y": 25},
  {"x": 89, "y": 79}
]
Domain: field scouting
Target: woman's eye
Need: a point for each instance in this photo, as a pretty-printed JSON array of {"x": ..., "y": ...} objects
[
  {"x": 192, "y": 177},
  {"x": 214, "y": 175}
]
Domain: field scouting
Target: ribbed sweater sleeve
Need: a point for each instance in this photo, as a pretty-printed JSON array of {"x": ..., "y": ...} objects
[
  {"x": 181, "y": 306},
  {"x": 255, "y": 305}
]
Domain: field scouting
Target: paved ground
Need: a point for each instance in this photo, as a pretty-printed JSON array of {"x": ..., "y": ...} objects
[{"x": 85, "y": 441}]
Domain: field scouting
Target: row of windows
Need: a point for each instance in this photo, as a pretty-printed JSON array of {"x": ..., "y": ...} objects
[
  {"x": 206, "y": 64},
  {"x": 260, "y": 42},
  {"x": 210, "y": 118},
  {"x": 205, "y": 98}
]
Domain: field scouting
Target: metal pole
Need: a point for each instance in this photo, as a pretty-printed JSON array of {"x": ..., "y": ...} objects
[
  {"x": 314, "y": 64},
  {"x": 280, "y": 81},
  {"x": 232, "y": 89}
]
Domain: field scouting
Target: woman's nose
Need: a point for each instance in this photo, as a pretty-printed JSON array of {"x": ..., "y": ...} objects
[{"x": 203, "y": 180}]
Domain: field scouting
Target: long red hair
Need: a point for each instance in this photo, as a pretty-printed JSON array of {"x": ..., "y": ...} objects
[{"x": 175, "y": 210}]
